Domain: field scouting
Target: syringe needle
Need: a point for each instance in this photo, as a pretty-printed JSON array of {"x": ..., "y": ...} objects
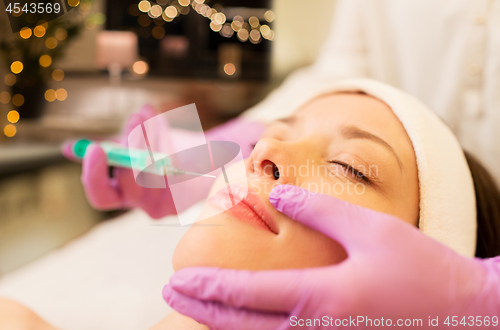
[
  {"x": 171, "y": 170},
  {"x": 198, "y": 174}
]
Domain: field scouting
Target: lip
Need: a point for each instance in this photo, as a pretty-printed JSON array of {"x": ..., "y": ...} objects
[{"x": 247, "y": 207}]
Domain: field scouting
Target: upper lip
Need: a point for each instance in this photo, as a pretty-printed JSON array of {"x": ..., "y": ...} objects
[{"x": 245, "y": 195}]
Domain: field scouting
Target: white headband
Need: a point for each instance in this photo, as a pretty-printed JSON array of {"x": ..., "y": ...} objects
[{"x": 447, "y": 199}]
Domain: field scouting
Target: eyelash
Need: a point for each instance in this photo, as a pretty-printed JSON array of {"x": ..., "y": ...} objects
[{"x": 354, "y": 172}]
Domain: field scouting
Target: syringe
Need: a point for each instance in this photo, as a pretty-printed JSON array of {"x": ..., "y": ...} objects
[{"x": 120, "y": 156}]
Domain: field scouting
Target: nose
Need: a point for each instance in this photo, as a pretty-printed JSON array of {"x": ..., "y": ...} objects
[{"x": 270, "y": 160}]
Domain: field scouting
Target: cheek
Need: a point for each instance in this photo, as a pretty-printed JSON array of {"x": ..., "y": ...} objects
[
  {"x": 358, "y": 193},
  {"x": 402, "y": 200},
  {"x": 408, "y": 208}
]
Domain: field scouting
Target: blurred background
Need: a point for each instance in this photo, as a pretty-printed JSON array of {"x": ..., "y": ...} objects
[{"x": 83, "y": 73}]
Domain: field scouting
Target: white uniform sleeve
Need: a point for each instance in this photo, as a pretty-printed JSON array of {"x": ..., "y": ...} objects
[{"x": 342, "y": 56}]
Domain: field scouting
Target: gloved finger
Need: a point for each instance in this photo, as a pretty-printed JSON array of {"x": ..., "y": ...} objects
[
  {"x": 221, "y": 317},
  {"x": 67, "y": 150},
  {"x": 132, "y": 192},
  {"x": 241, "y": 288},
  {"x": 101, "y": 190},
  {"x": 147, "y": 112},
  {"x": 342, "y": 221}
]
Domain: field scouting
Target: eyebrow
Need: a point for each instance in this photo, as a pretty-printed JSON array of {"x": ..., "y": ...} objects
[{"x": 353, "y": 132}]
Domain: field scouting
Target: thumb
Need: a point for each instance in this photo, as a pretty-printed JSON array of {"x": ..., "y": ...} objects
[
  {"x": 242, "y": 288},
  {"x": 101, "y": 190},
  {"x": 344, "y": 222},
  {"x": 221, "y": 316}
]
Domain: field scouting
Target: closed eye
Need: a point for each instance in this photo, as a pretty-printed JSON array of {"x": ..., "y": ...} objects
[{"x": 351, "y": 171}]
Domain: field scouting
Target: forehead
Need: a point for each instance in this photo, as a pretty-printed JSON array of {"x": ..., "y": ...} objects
[
  {"x": 366, "y": 112},
  {"x": 350, "y": 104}
]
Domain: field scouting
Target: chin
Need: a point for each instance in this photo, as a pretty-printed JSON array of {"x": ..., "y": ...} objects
[
  {"x": 224, "y": 242},
  {"x": 198, "y": 247},
  {"x": 220, "y": 242}
]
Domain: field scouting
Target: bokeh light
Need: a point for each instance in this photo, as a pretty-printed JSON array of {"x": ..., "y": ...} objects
[
  {"x": 265, "y": 30},
  {"x": 171, "y": 11},
  {"x": 51, "y": 43},
  {"x": 61, "y": 94},
  {"x": 43, "y": 23},
  {"x": 58, "y": 74},
  {"x": 235, "y": 26},
  {"x": 13, "y": 116},
  {"x": 10, "y": 79},
  {"x": 227, "y": 31},
  {"x": 253, "y": 21},
  {"x": 99, "y": 18},
  {"x": 73, "y": 3},
  {"x": 155, "y": 11},
  {"x": 166, "y": 18},
  {"x": 16, "y": 67},
  {"x": 144, "y": 6},
  {"x": 184, "y": 3},
  {"x": 269, "y": 16},
  {"x": 25, "y": 32},
  {"x": 215, "y": 27},
  {"x": 45, "y": 61},
  {"x": 85, "y": 7},
  {"x": 158, "y": 32},
  {"x": 229, "y": 69},
  {"x": 243, "y": 35},
  {"x": 4, "y": 97},
  {"x": 202, "y": 9},
  {"x": 18, "y": 100},
  {"x": 270, "y": 36},
  {"x": 9, "y": 130},
  {"x": 211, "y": 12},
  {"x": 90, "y": 23},
  {"x": 140, "y": 67},
  {"x": 219, "y": 18},
  {"x": 39, "y": 31},
  {"x": 237, "y": 23},
  {"x": 61, "y": 34},
  {"x": 255, "y": 36},
  {"x": 50, "y": 95}
]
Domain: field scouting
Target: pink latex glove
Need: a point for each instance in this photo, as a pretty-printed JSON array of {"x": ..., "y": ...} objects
[
  {"x": 393, "y": 271},
  {"x": 122, "y": 192}
]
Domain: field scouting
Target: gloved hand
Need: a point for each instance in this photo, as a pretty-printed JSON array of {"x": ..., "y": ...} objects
[
  {"x": 393, "y": 271},
  {"x": 121, "y": 191}
]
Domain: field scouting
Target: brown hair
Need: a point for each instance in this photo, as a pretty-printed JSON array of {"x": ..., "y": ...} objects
[{"x": 488, "y": 209}]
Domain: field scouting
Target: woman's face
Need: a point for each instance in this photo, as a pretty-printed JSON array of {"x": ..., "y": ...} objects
[{"x": 350, "y": 146}]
